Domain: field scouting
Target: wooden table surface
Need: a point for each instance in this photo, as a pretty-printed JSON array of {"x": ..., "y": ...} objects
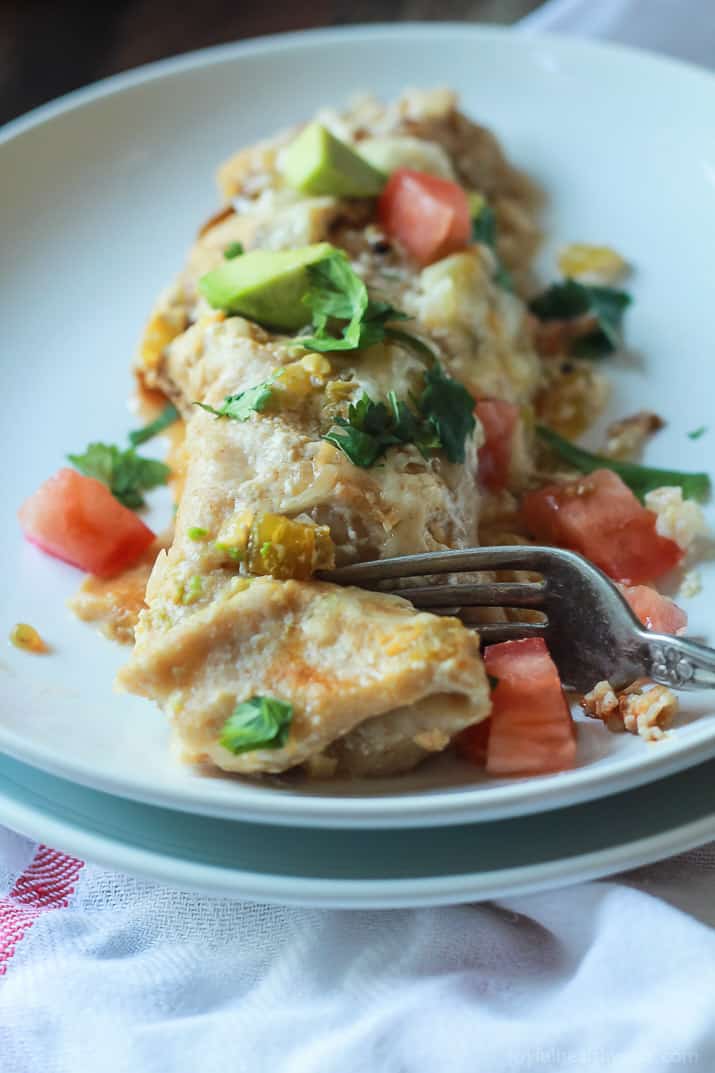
[{"x": 48, "y": 47}]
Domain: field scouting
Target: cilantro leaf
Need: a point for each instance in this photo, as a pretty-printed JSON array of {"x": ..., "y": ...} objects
[
  {"x": 241, "y": 406},
  {"x": 360, "y": 447},
  {"x": 167, "y": 417},
  {"x": 337, "y": 293},
  {"x": 503, "y": 277},
  {"x": 561, "y": 301},
  {"x": 484, "y": 230},
  {"x": 258, "y": 723},
  {"x": 697, "y": 432},
  {"x": 450, "y": 409},
  {"x": 234, "y": 249},
  {"x": 569, "y": 300},
  {"x": 484, "y": 226},
  {"x": 443, "y": 420},
  {"x": 367, "y": 432},
  {"x": 125, "y": 473},
  {"x": 640, "y": 479}
]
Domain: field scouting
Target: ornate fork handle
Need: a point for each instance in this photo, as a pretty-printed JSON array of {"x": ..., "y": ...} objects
[{"x": 673, "y": 661}]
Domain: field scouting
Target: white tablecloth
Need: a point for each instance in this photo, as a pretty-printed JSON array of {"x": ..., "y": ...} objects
[{"x": 102, "y": 973}]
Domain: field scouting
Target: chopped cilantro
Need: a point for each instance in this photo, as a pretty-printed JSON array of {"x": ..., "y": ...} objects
[
  {"x": 569, "y": 300},
  {"x": 484, "y": 226},
  {"x": 167, "y": 417},
  {"x": 484, "y": 230},
  {"x": 697, "y": 432},
  {"x": 450, "y": 408},
  {"x": 368, "y": 432},
  {"x": 241, "y": 406},
  {"x": 258, "y": 723},
  {"x": 196, "y": 533},
  {"x": 640, "y": 479},
  {"x": 234, "y": 249},
  {"x": 503, "y": 277},
  {"x": 265, "y": 548},
  {"x": 493, "y": 681},
  {"x": 444, "y": 419},
  {"x": 125, "y": 473},
  {"x": 337, "y": 294}
]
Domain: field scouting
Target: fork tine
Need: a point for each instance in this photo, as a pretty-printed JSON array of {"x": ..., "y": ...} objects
[
  {"x": 516, "y": 557},
  {"x": 492, "y": 632},
  {"x": 489, "y": 594}
]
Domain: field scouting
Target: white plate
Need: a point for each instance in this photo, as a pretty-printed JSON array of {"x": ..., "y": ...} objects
[
  {"x": 100, "y": 195},
  {"x": 359, "y": 869}
]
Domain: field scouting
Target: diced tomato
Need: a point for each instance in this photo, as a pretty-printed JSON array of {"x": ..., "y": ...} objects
[
  {"x": 77, "y": 519},
  {"x": 472, "y": 743},
  {"x": 428, "y": 215},
  {"x": 599, "y": 517},
  {"x": 498, "y": 420},
  {"x": 531, "y": 731},
  {"x": 655, "y": 611}
]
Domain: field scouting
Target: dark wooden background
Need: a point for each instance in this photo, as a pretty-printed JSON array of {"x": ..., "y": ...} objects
[{"x": 48, "y": 47}]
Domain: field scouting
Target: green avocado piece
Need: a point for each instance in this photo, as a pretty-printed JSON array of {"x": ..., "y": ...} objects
[
  {"x": 266, "y": 285},
  {"x": 319, "y": 163}
]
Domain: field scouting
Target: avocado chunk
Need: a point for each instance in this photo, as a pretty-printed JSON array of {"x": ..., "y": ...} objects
[
  {"x": 266, "y": 285},
  {"x": 319, "y": 163}
]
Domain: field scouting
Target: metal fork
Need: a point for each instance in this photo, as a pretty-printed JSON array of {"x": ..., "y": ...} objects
[{"x": 590, "y": 630}]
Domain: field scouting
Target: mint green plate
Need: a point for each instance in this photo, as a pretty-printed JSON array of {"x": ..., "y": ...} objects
[{"x": 355, "y": 868}]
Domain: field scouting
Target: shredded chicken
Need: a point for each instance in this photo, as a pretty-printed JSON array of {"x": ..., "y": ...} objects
[
  {"x": 626, "y": 437},
  {"x": 640, "y": 709},
  {"x": 573, "y": 393}
]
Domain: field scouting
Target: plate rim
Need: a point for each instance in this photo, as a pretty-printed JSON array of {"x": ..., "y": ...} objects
[
  {"x": 431, "y": 807},
  {"x": 39, "y": 820}
]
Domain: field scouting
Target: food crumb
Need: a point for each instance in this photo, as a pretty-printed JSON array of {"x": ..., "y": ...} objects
[
  {"x": 647, "y": 712},
  {"x": 432, "y": 741},
  {"x": 28, "y": 639},
  {"x": 591, "y": 264},
  {"x": 691, "y": 585},
  {"x": 678, "y": 519},
  {"x": 602, "y": 703},
  {"x": 321, "y": 766},
  {"x": 626, "y": 437}
]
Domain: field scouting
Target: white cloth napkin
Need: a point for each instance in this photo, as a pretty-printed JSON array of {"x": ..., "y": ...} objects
[
  {"x": 135, "y": 978},
  {"x": 104, "y": 973},
  {"x": 682, "y": 28},
  {"x": 131, "y": 978}
]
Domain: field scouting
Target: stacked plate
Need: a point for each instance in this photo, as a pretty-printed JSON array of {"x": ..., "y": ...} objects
[{"x": 101, "y": 193}]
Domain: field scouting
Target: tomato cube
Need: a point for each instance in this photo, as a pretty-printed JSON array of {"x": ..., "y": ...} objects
[
  {"x": 498, "y": 419},
  {"x": 531, "y": 729},
  {"x": 654, "y": 610},
  {"x": 598, "y": 516},
  {"x": 76, "y": 518},
  {"x": 428, "y": 215}
]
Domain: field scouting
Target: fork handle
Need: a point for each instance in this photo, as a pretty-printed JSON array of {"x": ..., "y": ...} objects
[{"x": 677, "y": 662}]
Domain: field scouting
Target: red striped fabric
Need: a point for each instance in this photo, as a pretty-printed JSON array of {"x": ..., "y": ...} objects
[{"x": 47, "y": 883}]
